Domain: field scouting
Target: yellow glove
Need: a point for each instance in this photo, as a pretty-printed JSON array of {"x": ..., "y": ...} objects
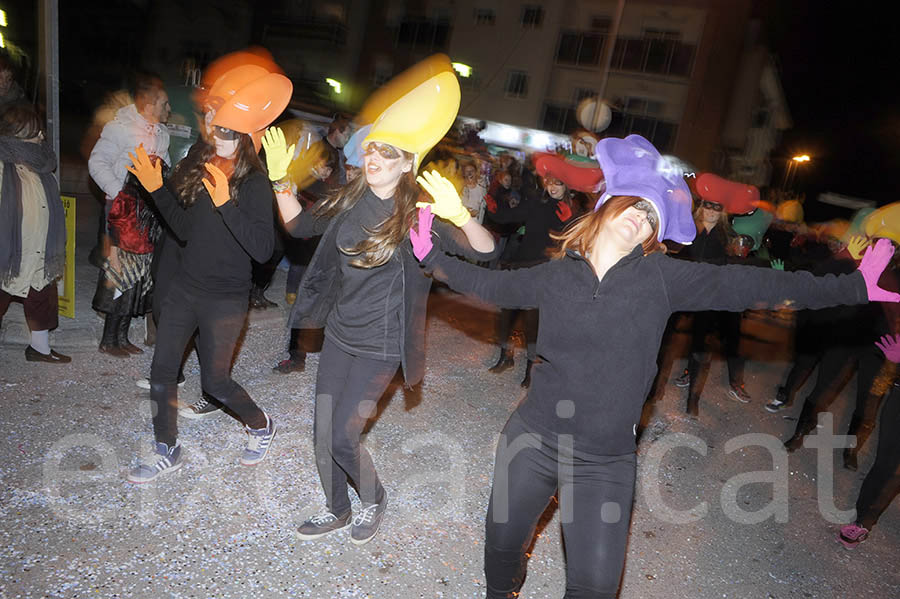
[
  {"x": 447, "y": 204},
  {"x": 148, "y": 173},
  {"x": 219, "y": 191},
  {"x": 856, "y": 246},
  {"x": 278, "y": 155}
]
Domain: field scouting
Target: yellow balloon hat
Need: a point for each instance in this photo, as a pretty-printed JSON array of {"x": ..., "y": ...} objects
[
  {"x": 416, "y": 121},
  {"x": 884, "y": 222},
  {"x": 790, "y": 211}
]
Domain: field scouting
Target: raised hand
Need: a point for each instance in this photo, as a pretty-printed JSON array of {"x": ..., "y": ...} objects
[
  {"x": 872, "y": 265},
  {"x": 890, "y": 345},
  {"x": 278, "y": 154},
  {"x": 218, "y": 191},
  {"x": 446, "y": 204},
  {"x": 144, "y": 168},
  {"x": 563, "y": 212},
  {"x": 776, "y": 264},
  {"x": 421, "y": 238},
  {"x": 490, "y": 203},
  {"x": 856, "y": 246}
]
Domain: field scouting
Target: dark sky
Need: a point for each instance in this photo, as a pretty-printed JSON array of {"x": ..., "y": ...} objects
[{"x": 839, "y": 71}]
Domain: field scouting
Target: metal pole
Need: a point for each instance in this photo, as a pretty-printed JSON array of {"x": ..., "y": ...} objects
[
  {"x": 49, "y": 69},
  {"x": 608, "y": 49}
]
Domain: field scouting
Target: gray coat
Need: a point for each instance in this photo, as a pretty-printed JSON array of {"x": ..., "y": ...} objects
[{"x": 319, "y": 287}]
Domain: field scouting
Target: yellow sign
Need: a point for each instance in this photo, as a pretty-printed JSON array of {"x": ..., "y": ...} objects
[{"x": 66, "y": 285}]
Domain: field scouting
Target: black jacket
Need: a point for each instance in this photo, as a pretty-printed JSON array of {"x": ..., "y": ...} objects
[
  {"x": 320, "y": 285},
  {"x": 220, "y": 242},
  {"x": 599, "y": 340}
]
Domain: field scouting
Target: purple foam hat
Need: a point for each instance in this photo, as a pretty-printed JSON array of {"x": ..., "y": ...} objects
[{"x": 633, "y": 167}]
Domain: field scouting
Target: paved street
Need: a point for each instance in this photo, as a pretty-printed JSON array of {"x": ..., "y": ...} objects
[{"x": 71, "y": 527}]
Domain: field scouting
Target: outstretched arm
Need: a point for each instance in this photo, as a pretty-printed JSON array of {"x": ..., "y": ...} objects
[
  {"x": 149, "y": 173},
  {"x": 519, "y": 288},
  {"x": 448, "y": 205}
]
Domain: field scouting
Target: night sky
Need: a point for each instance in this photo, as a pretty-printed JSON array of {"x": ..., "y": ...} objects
[{"x": 839, "y": 73}]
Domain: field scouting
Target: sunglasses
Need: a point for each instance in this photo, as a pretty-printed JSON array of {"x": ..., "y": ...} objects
[
  {"x": 225, "y": 134},
  {"x": 387, "y": 152},
  {"x": 712, "y": 206}
]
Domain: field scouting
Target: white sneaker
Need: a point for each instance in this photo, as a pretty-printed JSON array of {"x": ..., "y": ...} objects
[{"x": 145, "y": 384}]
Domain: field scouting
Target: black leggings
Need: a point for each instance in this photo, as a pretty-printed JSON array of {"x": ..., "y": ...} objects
[
  {"x": 882, "y": 483},
  {"x": 347, "y": 391},
  {"x": 505, "y": 321},
  {"x": 835, "y": 369},
  {"x": 220, "y": 319},
  {"x": 595, "y": 510},
  {"x": 729, "y": 327}
]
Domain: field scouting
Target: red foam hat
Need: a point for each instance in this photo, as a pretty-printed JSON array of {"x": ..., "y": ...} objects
[
  {"x": 736, "y": 198},
  {"x": 580, "y": 175}
]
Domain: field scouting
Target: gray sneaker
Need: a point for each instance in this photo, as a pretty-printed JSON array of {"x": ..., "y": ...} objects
[
  {"x": 165, "y": 459},
  {"x": 321, "y": 524},
  {"x": 258, "y": 442},
  {"x": 367, "y": 521}
]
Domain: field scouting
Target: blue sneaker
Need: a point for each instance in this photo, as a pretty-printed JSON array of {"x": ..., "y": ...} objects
[
  {"x": 166, "y": 459},
  {"x": 258, "y": 443}
]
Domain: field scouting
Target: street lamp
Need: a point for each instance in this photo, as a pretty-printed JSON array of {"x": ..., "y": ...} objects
[{"x": 793, "y": 164}]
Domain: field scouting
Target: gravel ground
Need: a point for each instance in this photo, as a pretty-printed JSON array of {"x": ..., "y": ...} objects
[{"x": 71, "y": 527}]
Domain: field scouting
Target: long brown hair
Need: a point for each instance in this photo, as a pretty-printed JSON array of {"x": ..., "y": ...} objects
[
  {"x": 187, "y": 177},
  {"x": 387, "y": 235},
  {"x": 581, "y": 235}
]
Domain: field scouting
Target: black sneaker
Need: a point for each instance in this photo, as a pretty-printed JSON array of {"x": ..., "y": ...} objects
[
  {"x": 367, "y": 521},
  {"x": 779, "y": 402},
  {"x": 322, "y": 524},
  {"x": 203, "y": 407},
  {"x": 684, "y": 380}
]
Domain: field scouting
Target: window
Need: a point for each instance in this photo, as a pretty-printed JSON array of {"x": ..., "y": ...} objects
[
  {"x": 560, "y": 119},
  {"x": 423, "y": 34},
  {"x": 582, "y": 49},
  {"x": 658, "y": 55},
  {"x": 485, "y": 16},
  {"x": 660, "y": 133},
  {"x": 583, "y": 92},
  {"x": 643, "y": 106},
  {"x": 661, "y": 34},
  {"x": 603, "y": 24},
  {"x": 517, "y": 84},
  {"x": 532, "y": 16}
]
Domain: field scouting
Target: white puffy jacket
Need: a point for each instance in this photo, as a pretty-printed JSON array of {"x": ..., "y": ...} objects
[{"x": 120, "y": 136}]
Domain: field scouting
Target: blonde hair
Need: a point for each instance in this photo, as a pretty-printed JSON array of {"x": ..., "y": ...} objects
[{"x": 581, "y": 235}]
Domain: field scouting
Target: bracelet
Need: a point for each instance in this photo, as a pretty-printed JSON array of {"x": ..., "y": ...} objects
[{"x": 281, "y": 186}]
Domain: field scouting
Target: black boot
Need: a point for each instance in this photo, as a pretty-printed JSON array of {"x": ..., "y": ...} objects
[
  {"x": 109, "y": 343},
  {"x": 122, "y": 336},
  {"x": 504, "y": 362},
  {"x": 693, "y": 405},
  {"x": 526, "y": 381},
  {"x": 850, "y": 458}
]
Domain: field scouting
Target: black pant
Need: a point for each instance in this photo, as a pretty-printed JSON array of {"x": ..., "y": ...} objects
[
  {"x": 347, "y": 391},
  {"x": 835, "y": 369},
  {"x": 729, "y": 326},
  {"x": 505, "y": 321},
  {"x": 882, "y": 483},
  {"x": 220, "y": 319},
  {"x": 595, "y": 495}
]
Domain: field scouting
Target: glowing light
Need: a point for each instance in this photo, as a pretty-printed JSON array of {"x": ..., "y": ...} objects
[
  {"x": 464, "y": 70},
  {"x": 801, "y": 158},
  {"x": 334, "y": 83},
  {"x": 2, "y": 41},
  {"x": 3, "y": 22}
]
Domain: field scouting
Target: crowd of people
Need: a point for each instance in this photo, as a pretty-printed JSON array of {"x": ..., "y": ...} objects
[{"x": 600, "y": 259}]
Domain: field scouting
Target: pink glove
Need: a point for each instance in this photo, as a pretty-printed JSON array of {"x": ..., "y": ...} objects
[
  {"x": 891, "y": 347},
  {"x": 872, "y": 265},
  {"x": 421, "y": 239}
]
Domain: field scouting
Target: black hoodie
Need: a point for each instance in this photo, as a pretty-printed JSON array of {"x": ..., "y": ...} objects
[{"x": 599, "y": 340}]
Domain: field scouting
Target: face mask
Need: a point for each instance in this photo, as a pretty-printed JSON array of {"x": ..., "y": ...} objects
[
  {"x": 387, "y": 152},
  {"x": 225, "y": 148}
]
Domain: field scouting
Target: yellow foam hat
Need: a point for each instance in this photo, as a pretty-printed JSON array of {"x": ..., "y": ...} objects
[
  {"x": 790, "y": 211},
  {"x": 417, "y": 120},
  {"x": 884, "y": 222}
]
